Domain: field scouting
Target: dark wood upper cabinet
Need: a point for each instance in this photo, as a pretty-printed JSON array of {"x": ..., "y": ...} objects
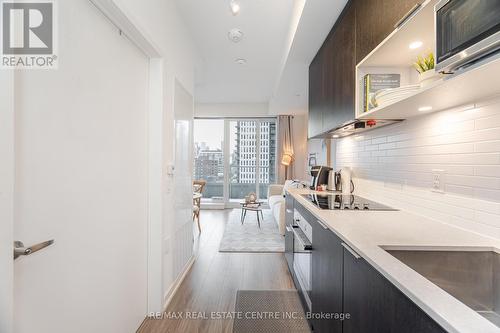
[
  {"x": 340, "y": 71},
  {"x": 315, "y": 96},
  {"x": 362, "y": 25},
  {"x": 331, "y": 77},
  {"x": 375, "y": 20}
]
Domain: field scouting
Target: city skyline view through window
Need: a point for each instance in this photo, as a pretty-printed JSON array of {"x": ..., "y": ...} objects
[{"x": 245, "y": 163}]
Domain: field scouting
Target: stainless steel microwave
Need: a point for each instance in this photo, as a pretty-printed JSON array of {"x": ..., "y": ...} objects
[{"x": 466, "y": 31}]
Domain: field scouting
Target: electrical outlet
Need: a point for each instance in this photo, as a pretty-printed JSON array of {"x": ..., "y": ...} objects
[{"x": 438, "y": 180}]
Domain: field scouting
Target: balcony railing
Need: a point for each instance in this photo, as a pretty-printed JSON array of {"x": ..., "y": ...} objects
[{"x": 236, "y": 190}]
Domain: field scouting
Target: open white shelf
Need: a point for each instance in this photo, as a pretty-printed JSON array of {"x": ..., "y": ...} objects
[
  {"x": 463, "y": 89},
  {"x": 393, "y": 56}
]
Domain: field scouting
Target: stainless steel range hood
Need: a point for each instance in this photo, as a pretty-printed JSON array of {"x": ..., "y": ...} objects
[{"x": 355, "y": 127}]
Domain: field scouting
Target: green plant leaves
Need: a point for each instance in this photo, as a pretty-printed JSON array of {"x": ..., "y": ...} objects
[{"x": 424, "y": 64}]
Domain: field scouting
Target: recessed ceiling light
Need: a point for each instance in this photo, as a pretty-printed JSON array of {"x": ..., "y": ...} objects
[
  {"x": 415, "y": 45},
  {"x": 424, "y": 108},
  {"x": 335, "y": 136},
  {"x": 235, "y": 35},
  {"x": 240, "y": 61},
  {"x": 235, "y": 7}
]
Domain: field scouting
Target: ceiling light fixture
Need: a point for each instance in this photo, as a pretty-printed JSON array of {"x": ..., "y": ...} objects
[
  {"x": 240, "y": 61},
  {"x": 335, "y": 136},
  {"x": 235, "y": 7},
  {"x": 424, "y": 108},
  {"x": 415, "y": 45}
]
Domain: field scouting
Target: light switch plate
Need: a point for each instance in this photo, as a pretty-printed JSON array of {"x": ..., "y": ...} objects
[{"x": 170, "y": 170}]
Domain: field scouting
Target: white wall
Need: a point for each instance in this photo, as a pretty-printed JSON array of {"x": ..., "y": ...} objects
[
  {"x": 396, "y": 162},
  {"x": 161, "y": 20},
  {"x": 211, "y": 110},
  {"x": 81, "y": 178}
]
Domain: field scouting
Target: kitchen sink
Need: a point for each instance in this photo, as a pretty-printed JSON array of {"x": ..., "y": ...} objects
[{"x": 472, "y": 277}]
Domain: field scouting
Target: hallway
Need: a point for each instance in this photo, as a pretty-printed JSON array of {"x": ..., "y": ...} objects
[{"x": 214, "y": 279}]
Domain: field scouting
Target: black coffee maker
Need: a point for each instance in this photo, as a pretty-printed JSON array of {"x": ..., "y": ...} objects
[{"x": 319, "y": 176}]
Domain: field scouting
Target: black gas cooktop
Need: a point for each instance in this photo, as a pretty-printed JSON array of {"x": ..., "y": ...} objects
[{"x": 344, "y": 202}]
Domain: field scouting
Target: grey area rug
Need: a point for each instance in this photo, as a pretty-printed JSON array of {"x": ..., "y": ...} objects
[
  {"x": 248, "y": 237},
  {"x": 265, "y": 311}
]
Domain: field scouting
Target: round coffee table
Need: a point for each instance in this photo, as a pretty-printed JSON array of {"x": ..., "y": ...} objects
[{"x": 252, "y": 206}]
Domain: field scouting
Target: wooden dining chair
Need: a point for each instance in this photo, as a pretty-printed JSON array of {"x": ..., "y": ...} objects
[{"x": 198, "y": 186}]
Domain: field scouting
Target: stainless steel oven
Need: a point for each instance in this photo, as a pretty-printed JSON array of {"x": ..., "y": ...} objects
[
  {"x": 298, "y": 246},
  {"x": 466, "y": 31}
]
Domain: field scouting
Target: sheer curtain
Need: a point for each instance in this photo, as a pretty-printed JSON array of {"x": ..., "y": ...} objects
[{"x": 286, "y": 156}]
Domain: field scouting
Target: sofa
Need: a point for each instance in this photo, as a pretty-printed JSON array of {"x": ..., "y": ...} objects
[{"x": 276, "y": 201}]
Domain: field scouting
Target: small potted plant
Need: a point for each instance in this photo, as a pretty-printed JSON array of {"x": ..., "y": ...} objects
[{"x": 425, "y": 68}]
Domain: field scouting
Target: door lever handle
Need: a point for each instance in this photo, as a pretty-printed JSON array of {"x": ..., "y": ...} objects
[{"x": 20, "y": 250}]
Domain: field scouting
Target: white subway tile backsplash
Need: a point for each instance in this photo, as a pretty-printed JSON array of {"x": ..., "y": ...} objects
[
  {"x": 378, "y": 153},
  {"x": 462, "y": 190},
  {"x": 487, "y": 147},
  {"x": 476, "y": 159},
  {"x": 398, "y": 137},
  {"x": 486, "y": 194},
  {"x": 487, "y": 170},
  {"x": 371, "y": 147},
  {"x": 490, "y": 122},
  {"x": 396, "y": 162},
  {"x": 378, "y": 140},
  {"x": 385, "y": 146},
  {"x": 472, "y": 181},
  {"x": 491, "y": 134}
]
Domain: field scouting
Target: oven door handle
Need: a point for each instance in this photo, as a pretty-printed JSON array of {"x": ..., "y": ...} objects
[{"x": 300, "y": 236}]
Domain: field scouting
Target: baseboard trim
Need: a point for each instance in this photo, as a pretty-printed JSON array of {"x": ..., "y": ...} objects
[{"x": 169, "y": 295}]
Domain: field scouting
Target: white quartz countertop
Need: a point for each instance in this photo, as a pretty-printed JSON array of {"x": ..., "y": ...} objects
[{"x": 367, "y": 232}]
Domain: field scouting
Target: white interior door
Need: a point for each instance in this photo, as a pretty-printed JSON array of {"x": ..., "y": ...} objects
[
  {"x": 183, "y": 181},
  {"x": 81, "y": 179},
  {"x": 6, "y": 198}
]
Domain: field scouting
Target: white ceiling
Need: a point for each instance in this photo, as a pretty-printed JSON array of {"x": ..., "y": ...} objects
[
  {"x": 280, "y": 39},
  {"x": 316, "y": 21}
]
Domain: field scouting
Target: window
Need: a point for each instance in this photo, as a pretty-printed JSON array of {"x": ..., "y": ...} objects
[
  {"x": 245, "y": 157},
  {"x": 209, "y": 156}
]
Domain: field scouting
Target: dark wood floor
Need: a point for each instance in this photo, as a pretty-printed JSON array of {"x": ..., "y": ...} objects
[{"x": 214, "y": 279}]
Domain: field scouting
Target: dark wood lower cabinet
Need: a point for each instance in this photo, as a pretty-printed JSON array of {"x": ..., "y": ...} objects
[
  {"x": 326, "y": 282},
  {"x": 289, "y": 202},
  {"x": 376, "y": 306},
  {"x": 342, "y": 284}
]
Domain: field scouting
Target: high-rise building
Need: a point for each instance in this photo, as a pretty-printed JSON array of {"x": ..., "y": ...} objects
[
  {"x": 246, "y": 152},
  {"x": 208, "y": 163}
]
